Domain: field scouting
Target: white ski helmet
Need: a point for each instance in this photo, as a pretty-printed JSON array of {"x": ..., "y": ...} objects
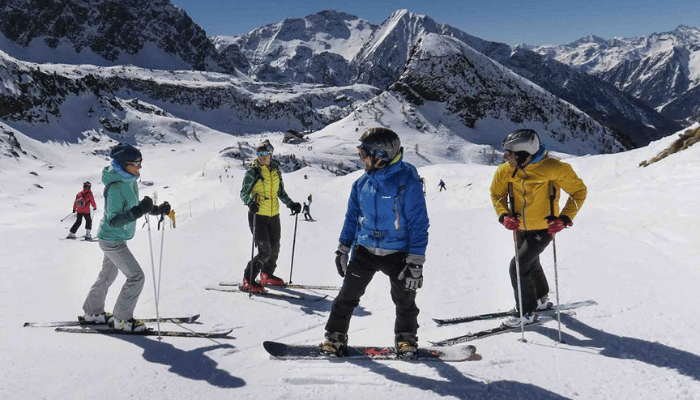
[{"x": 525, "y": 140}]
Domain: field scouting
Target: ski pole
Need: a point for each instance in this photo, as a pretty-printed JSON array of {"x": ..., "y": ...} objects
[
  {"x": 252, "y": 260},
  {"x": 556, "y": 283},
  {"x": 160, "y": 259},
  {"x": 153, "y": 274},
  {"x": 552, "y": 196},
  {"x": 66, "y": 217},
  {"x": 513, "y": 214},
  {"x": 252, "y": 251},
  {"x": 294, "y": 242}
]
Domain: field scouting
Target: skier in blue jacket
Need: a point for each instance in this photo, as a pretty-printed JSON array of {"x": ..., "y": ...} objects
[{"x": 386, "y": 224}]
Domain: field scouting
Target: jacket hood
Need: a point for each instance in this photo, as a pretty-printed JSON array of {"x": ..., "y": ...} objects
[{"x": 111, "y": 174}]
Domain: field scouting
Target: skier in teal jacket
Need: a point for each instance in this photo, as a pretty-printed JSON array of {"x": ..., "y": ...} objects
[{"x": 122, "y": 209}]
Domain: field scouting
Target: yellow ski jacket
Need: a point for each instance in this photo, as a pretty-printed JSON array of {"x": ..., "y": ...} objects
[
  {"x": 264, "y": 185},
  {"x": 532, "y": 187}
]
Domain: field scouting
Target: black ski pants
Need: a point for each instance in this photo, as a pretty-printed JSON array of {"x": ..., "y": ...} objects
[
  {"x": 361, "y": 270},
  {"x": 79, "y": 221},
  {"x": 534, "y": 283},
  {"x": 267, "y": 240}
]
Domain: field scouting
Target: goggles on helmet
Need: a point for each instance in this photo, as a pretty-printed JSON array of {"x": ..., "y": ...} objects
[
  {"x": 263, "y": 153},
  {"x": 366, "y": 150}
]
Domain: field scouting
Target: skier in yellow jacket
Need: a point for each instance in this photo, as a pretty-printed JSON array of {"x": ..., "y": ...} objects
[
  {"x": 262, "y": 191},
  {"x": 533, "y": 181}
]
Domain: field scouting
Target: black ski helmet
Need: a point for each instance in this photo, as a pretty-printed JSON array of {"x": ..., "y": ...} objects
[
  {"x": 525, "y": 140},
  {"x": 87, "y": 185},
  {"x": 124, "y": 153},
  {"x": 381, "y": 143}
]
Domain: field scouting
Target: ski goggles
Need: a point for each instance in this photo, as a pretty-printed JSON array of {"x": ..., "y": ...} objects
[
  {"x": 366, "y": 151},
  {"x": 263, "y": 153},
  {"x": 136, "y": 163}
]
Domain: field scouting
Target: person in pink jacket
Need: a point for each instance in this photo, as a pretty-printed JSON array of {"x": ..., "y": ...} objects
[{"x": 81, "y": 205}]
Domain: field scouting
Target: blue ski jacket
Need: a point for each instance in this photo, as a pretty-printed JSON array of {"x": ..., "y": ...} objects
[{"x": 387, "y": 212}]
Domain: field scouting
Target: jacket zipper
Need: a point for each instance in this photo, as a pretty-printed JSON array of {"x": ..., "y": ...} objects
[{"x": 522, "y": 181}]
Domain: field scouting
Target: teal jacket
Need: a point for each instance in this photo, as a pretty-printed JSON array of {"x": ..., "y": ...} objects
[{"x": 121, "y": 194}]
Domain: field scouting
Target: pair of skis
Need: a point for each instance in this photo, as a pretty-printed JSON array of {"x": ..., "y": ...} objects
[
  {"x": 81, "y": 239},
  {"x": 443, "y": 350},
  {"x": 542, "y": 316},
  {"x": 81, "y": 326},
  {"x": 236, "y": 288}
]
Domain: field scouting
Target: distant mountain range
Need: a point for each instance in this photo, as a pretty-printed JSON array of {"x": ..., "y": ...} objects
[
  {"x": 662, "y": 69},
  {"x": 148, "y": 57}
]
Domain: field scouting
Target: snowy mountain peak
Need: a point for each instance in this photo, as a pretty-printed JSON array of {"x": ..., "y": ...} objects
[
  {"x": 150, "y": 34},
  {"x": 662, "y": 69}
]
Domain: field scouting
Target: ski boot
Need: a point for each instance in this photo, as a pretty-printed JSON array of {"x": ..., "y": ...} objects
[
  {"x": 253, "y": 287},
  {"x": 129, "y": 325},
  {"x": 101, "y": 318},
  {"x": 406, "y": 345},
  {"x": 270, "y": 280},
  {"x": 543, "y": 303},
  {"x": 336, "y": 344},
  {"x": 515, "y": 321}
]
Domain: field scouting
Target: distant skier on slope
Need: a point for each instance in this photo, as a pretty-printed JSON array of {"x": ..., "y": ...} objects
[
  {"x": 122, "y": 209},
  {"x": 387, "y": 224},
  {"x": 261, "y": 191},
  {"x": 81, "y": 205},
  {"x": 441, "y": 185},
  {"x": 307, "y": 210},
  {"x": 533, "y": 180}
]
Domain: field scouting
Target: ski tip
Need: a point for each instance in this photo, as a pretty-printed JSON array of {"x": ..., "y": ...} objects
[
  {"x": 269, "y": 345},
  {"x": 194, "y": 317}
]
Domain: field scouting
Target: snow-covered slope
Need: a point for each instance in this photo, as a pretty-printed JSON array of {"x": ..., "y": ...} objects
[{"x": 632, "y": 248}]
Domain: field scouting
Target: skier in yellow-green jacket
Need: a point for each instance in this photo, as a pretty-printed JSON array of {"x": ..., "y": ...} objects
[
  {"x": 533, "y": 181},
  {"x": 262, "y": 191}
]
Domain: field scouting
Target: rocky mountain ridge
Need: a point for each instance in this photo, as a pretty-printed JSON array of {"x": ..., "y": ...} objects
[{"x": 302, "y": 73}]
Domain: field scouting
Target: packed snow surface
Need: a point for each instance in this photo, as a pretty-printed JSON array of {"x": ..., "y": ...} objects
[{"x": 633, "y": 248}]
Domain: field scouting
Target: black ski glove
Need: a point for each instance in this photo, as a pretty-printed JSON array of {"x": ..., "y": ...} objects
[
  {"x": 341, "y": 258},
  {"x": 296, "y": 208},
  {"x": 253, "y": 207},
  {"x": 144, "y": 207},
  {"x": 134, "y": 213},
  {"x": 164, "y": 208}
]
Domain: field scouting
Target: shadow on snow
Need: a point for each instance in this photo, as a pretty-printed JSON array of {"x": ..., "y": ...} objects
[
  {"x": 628, "y": 348},
  {"x": 458, "y": 385},
  {"x": 190, "y": 364}
]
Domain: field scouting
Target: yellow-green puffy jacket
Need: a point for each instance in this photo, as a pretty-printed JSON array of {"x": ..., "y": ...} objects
[
  {"x": 531, "y": 187},
  {"x": 265, "y": 186}
]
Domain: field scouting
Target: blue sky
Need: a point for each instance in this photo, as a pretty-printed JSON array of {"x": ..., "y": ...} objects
[{"x": 507, "y": 21}]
